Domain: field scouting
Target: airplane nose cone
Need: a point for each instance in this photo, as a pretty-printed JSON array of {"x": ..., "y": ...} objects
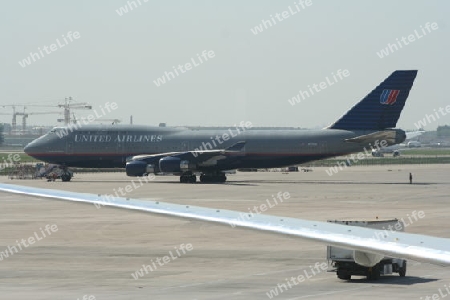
[
  {"x": 30, "y": 149},
  {"x": 27, "y": 149}
]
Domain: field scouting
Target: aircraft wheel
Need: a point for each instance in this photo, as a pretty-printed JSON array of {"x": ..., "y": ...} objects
[
  {"x": 213, "y": 178},
  {"x": 344, "y": 276},
  {"x": 205, "y": 178},
  {"x": 188, "y": 178},
  {"x": 373, "y": 273},
  {"x": 402, "y": 270},
  {"x": 65, "y": 178}
]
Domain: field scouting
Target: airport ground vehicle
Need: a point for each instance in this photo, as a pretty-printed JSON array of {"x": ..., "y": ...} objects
[
  {"x": 53, "y": 172},
  {"x": 342, "y": 260}
]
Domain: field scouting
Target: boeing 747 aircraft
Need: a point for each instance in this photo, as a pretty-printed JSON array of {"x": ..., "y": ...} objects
[{"x": 208, "y": 153}]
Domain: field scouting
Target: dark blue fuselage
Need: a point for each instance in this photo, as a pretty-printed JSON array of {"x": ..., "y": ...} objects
[{"x": 109, "y": 146}]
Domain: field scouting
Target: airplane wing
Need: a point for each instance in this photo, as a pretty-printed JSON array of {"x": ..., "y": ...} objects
[
  {"x": 205, "y": 154},
  {"x": 370, "y": 243},
  {"x": 170, "y": 162}
]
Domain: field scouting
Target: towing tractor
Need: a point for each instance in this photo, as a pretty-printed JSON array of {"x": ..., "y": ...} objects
[{"x": 344, "y": 261}]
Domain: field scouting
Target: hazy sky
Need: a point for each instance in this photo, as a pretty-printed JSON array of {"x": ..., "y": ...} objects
[{"x": 250, "y": 78}]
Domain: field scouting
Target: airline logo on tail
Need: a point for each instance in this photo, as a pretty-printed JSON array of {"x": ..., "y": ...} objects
[{"x": 388, "y": 97}]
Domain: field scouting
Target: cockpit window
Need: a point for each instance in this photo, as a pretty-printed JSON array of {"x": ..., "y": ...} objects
[{"x": 55, "y": 129}]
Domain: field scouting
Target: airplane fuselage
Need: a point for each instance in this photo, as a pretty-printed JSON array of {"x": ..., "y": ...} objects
[{"x": 103, "y": 146}]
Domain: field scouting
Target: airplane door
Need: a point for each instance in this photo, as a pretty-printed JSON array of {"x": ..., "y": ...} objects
[
  {"x": 116, "y": 142},
  {"x": 120, "y": 149},
  {"x": 324, "y": 147},
  {"x": 69, "y": 147},
  {"x": 118, "y": 145},
  {"x": 184, "y": 146}
]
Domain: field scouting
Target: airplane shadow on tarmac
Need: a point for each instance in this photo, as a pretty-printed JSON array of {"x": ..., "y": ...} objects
[
  {"x": 394, "y": 280},
  {"x": 254, "y": 182},
  {"x": 258, "y": 182}
]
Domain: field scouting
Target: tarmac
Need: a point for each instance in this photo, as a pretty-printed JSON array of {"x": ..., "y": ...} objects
[{"x": 96, "y": 253}]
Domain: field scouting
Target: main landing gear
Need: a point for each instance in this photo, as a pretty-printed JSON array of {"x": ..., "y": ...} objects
[
  {"x": 213, "y": 178},
  {"x": 55, "y": 172},
  {"x": 188, "y": 177}
]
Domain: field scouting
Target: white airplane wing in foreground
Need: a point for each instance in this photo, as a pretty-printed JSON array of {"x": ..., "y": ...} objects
[{"x": 371, "y": 244}]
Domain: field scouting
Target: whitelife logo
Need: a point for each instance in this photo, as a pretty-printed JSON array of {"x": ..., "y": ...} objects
[
  {"x": 341, "y": 165},
  {"x": 316, "y": 88},
  {"x": 161, "y": 261},
  {"x": 131, "y": 5},
  {"x": 261, "y": 208},
  {"x": 405, "y": 41},
  {"x": 107, "y": 108},
  {"x": 10, "y": 161},
  {"x": 11, "y": 250},
  {"x": 293, "y": 281},
  {"x": 266, "y": 24},
  {"x": 34, "y": 56},
  {"x": 432, "y": 118},
  {"x": 205, "y": 146},
  {"x": 201, "y": 58}
]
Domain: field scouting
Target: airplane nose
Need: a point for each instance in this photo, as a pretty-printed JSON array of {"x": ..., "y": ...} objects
[
  {"x": 27, "y": 149},
  {"x": 30, "y": 148}
]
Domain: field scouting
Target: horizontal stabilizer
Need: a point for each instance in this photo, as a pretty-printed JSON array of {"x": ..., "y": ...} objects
[{"x": 390, "y": 137}]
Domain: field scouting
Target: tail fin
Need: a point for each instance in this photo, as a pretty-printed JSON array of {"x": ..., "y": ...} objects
[{"x": 381, "y": 108}]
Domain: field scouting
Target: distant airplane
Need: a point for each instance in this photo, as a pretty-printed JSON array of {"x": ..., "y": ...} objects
[
  {"x": 188, "y": 152},
  {"x": 414, "y": 144},
  {"x": 413, "y": 134},
  {"x": 395, "y": 149}
]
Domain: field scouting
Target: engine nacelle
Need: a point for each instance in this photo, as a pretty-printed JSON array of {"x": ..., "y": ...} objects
[
  {"x": 170, "y": 164},
  {"x": 140, "y": 168},
  {"x": 400, "y": 136},
  {"x": 136, "y": 168},
  {"x": 366, "y": 259},
  {"x": 393, "y": 136}
]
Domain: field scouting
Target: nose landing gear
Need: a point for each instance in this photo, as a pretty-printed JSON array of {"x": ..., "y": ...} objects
[{"x": 217, "y": 177}]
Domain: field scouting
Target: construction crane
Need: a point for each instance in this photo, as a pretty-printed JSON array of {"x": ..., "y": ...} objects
[
  {"x": 26, "y": 114},
  {"x": 112, "y": 121},
  {"x": 68, "y": 105},
  {"x": 14, "y": 119}
]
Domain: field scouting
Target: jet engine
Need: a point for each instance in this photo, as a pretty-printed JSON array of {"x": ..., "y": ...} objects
[
  {"x": 170, "y": 164},
  {"x": 140, "y": 168},
  {"x": 136, "y": 168},
  {"x": 400, "y": 136}
]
